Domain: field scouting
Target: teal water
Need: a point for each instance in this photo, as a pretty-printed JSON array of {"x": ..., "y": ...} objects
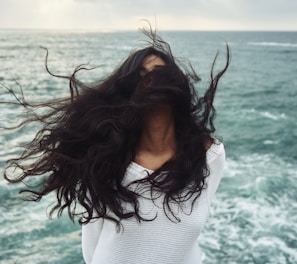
[{"x": 254, "y": 216}]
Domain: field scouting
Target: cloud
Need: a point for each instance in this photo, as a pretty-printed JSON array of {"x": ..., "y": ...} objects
[{"x": 169, "y": 14}]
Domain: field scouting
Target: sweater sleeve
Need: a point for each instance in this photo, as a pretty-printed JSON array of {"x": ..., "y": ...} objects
[
  {"x": 216, "y": 163},
  {"x": 90, "y": 236}
]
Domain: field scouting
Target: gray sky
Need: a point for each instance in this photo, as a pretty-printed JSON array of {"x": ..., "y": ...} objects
[{"x": 169, "y": 14}]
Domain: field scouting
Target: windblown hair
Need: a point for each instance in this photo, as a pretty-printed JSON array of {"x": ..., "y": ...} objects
[{"x": 88, "y": 140}]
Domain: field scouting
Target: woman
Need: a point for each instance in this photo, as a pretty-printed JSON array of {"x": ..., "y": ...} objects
[{"x": 136, "y": 152}]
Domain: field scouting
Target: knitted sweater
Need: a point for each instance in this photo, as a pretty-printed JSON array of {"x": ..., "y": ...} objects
[{"x": 161, "y": 241}]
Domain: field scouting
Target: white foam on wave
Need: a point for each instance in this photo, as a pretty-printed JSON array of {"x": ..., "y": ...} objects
[
  {"x": 271, "y": 142},
  {"x": 274, "y": 44},
  {"x": 273, "y": 116},
  {"x": 252, "y": 113}
]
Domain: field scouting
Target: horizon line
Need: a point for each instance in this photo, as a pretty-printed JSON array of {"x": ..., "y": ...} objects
[{"x": 107, "y": 30}]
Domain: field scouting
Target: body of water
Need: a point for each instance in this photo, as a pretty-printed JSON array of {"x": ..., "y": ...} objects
[{"x": 254, "y": 216}]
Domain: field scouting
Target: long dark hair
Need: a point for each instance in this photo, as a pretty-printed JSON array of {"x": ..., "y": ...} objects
[{"x": 88, "y": 140}]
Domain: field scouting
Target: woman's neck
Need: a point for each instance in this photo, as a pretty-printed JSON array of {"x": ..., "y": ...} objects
[{"x": 157, "y": 142}]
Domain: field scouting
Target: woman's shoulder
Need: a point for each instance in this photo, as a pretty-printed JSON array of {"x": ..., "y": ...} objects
[{"x": 215, "y": 150}]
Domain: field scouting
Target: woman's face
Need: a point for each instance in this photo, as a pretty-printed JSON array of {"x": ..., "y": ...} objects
[{"x": 150, "y": 63}]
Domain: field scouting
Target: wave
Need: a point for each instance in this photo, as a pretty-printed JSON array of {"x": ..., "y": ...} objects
[
  {"x": 266, "y": 114},
  {"x": 274, "y": 44},
  {"x": 251, "y": 211},
  {"x": 273, "y": 116},
  {"x": 271, "y": 142}
]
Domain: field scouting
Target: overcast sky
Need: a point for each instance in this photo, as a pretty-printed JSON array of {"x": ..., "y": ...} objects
[{"x": 169, "y": 14}]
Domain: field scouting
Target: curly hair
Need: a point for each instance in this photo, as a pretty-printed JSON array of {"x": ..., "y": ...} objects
[{"x": 88, "y": 140}]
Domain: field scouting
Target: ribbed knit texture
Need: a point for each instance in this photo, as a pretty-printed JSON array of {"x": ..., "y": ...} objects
[{"x": 160, "y": 241}]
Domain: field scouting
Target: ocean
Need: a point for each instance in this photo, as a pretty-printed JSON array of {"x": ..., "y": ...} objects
[{"x": 254, "y": 215}]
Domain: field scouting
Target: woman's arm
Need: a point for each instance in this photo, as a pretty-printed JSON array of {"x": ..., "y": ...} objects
[
  {"x": 90, "y": 236},
  {"x": 216, "y": 162}
]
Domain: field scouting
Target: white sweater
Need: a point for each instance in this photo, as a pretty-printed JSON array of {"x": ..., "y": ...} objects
[{"x": 160, "y": 241}]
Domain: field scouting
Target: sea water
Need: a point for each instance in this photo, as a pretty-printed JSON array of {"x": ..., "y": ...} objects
[{"x": 254, "y": 215}]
